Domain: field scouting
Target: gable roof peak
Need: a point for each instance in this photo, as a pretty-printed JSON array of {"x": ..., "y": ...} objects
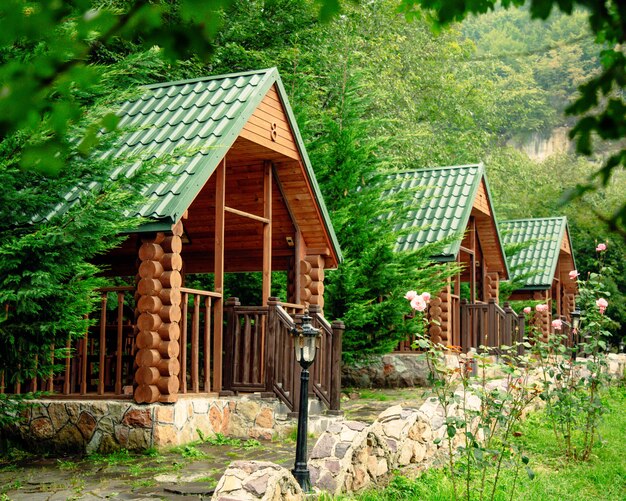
[{"x": 273, "y": 71}]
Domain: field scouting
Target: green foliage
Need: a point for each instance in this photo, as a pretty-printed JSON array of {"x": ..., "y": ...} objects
[
  {"x": 572, "y": 384},
  {"x": 367, "y": 290},
  {"x": 600, "y": 103},
  {"x": 482, "y": 420}
]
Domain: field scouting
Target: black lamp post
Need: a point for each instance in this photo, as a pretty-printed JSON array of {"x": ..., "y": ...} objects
[
  {"x": 304, "y": 343},
  {"x": 575, "y": 319}
]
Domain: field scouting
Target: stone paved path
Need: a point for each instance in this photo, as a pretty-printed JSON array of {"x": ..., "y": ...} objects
[{"x": 188, "y": 472}]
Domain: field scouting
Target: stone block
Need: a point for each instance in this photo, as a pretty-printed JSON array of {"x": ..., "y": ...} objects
[
  {"x": 139, "y": 439},
  {"x": 94, "y": 443},
  {"x": 58, "y": 415},
  {"x": 248, "y": 410},
  {"x": 324, "y": 446},
  {"x": 200, "y": 405},
  {"x": 138, "y": 417},
  {"x": 180, "y": 415},
  {"x": 265, "y": 418},
  {"x": 121, "y": 435},
  {"x": 164, "y": 414},
  {"x": 41, "y": 428},
  {"x": 86, "y": 424},
  {"x": 165, "y": 435}
]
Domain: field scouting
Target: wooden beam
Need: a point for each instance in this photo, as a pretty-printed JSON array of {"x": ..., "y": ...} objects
[
  {"x": 218, "y": 318},
  {"x": 267, "y": 232},
  {"x": 247, "y": 214}
]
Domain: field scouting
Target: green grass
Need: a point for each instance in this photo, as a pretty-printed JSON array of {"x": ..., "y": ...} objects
[
  {"x": 373, "y": 395},
  {"x": 603, "y": 477}
]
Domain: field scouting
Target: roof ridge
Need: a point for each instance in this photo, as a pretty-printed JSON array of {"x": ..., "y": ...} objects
[
  {"x": 563, "y": 218},
  {"x": 208, "y": 78},
  {"x": 429, "y": 169}
]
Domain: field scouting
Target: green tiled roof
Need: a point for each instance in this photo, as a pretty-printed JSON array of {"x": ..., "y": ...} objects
[
  {"x": 442, "y": 205},
  {"x": 196, "y": 122},
  {"x": 540, "y": 258}
]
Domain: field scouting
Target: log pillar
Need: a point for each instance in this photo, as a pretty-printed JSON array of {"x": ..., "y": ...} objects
[
  {"x": 542, "y": 320},
  {"x": 492, "y": 286},
  {"x": 569, "y": 302},
  {"x": 312, "y": 281},
  {"x": 159, "y": 307},
  {"x": 439, "y": 316}
]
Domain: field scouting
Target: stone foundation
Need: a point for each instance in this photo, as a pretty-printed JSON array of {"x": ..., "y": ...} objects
[
  {"x": 107, "y": 425},
  {"x": 404, "y": 370},
  {"x": 395, "y": 370}
]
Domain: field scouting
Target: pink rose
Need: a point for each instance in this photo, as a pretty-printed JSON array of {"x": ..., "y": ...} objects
[
  {"x": 418, "y": 303},
  {"x": 573, "y": 274},
  {"x": 527, "y": 310},
  {"x": 541, "y": 308},
  {"x": 410, "y": 295},
  {"x": 602, "y": 304},
  {"x": 426, "y": 296},
  {"x": 601, "y": 247},
  {"x": 557, "y": 324}
]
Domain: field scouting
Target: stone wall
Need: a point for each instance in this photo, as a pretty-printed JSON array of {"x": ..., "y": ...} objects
[
  {"x": 350, "y": 456},
  {"x": 401, "y": 370},
  {"x": 394, "y": 370},
  {"x": 250, "y": 480},
  {"x": 106, "y": 425}
]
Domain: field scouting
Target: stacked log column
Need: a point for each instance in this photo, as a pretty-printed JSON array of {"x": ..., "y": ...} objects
[
  {"x": 159, "y": 306},
  {"x": 542, "y": 318},
  {"x": 569, "y": 302},
  {"x": 492, "y": 286},
  {"x": 439, "y": 316},
  {"x": 312, "y": 281}
]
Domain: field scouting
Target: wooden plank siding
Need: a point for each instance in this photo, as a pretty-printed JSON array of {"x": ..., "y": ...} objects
[
  {"x": 268, "y": 126},
  {"x": 487, "y": 232},
  {"x": 481, "y": 202}
]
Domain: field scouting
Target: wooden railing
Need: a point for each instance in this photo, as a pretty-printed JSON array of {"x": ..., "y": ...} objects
[
  {"x": 196, "y": 357},
  {"x": 259, "y": 354},
  {"x": 472, "y": 325},
  {"x": 283, "y": 372},
  {"x": 487, "y": 324},
  {"x": 100, "y": 362},
  {"x": 326, "y": 370}
]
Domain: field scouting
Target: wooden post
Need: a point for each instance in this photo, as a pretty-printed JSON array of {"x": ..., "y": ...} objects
[
  {"x": 195, "y": 345},
  {"x": 218, "y": 319},
  {"x": 229, "y": 310},
  {"x": 183, "y": 341},
  {"x": 102, "y": 347},
  {"x": 270, "y": 355},
  {"x": 267, "y": 232},
  {"x": 118, "y": 366},
  {"x": 207, "y": 344},
  {"x": 338, "y": 328}
]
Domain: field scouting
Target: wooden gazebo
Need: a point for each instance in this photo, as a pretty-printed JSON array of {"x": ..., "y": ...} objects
[
  {"x": 453, "y": 205},
  {"x": 241, "y": 195},
  {"x": 543, "y": 265}
]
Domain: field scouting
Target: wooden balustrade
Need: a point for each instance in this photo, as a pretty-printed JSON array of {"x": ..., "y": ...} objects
[
  {"x": 478, "y": 324},
  {"x": 259, "y": 352},
  {"x": 195, "y": 356},
  {"x": 98, "y": 364}
]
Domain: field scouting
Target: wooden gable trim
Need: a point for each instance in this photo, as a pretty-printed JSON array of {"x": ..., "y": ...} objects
[
  {"x": 486, "y": 229},
  {"x": 269, "y": 126},
  {"x": 481, "y": 201},
  {"x": 565, "y": 245}
]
